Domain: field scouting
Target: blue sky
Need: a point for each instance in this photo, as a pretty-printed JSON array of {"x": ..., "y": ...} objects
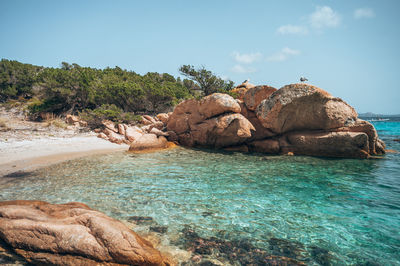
[{"x": 349, "y": 48}]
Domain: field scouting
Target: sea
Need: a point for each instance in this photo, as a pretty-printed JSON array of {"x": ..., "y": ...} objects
[{"x": 235, "y": 207}]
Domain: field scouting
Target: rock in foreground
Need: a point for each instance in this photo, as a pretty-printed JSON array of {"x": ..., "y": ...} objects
[{"x": 71, "y": 234}]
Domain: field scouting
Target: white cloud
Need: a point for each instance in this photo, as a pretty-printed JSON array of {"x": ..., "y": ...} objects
[
  {"x": 365, "y": 12},
  {"x": 241, "y": 69},
  {"x": 246, "y": 58},
  {"x": 292, "y": 29},
  {"x": 283, "y": 55},
  {"x": 324, "y": 17}
]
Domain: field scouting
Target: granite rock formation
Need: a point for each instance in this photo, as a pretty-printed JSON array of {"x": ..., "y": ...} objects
[
  {"x": 71, "y": 234},
  {"x": 296, "y": 119}
]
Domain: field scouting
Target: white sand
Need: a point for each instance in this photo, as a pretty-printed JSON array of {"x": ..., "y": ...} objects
[{"x": 27, "y": 155}]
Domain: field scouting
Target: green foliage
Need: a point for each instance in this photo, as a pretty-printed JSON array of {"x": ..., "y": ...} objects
[
  {"x": 111, "y": 112},
  {"x": 207, "y": 82},
  {"x": 16, "y": 79},
  {"x": 111, "y": 93},
  {"x": 72, "y": 88}
]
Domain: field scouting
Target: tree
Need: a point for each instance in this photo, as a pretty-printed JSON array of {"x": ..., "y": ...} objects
[{"x": 206, "y": 80}]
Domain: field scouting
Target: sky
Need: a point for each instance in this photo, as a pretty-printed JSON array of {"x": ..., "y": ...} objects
[{"x": 348, "y": 48}]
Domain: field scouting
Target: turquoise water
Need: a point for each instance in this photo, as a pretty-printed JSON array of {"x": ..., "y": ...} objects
[{"x": 349, "y": 209}]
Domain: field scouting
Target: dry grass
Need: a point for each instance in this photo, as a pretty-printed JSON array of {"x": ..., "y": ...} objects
[
  {"x": 56, "y": 122},
  {"x": 3, "y": 125}
]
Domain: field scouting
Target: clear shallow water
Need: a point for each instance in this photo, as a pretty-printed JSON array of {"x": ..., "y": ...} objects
[{"x": 350, "y": 208}]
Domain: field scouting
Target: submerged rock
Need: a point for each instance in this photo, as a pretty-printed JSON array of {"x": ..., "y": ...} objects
[
  {"x": 71, "y": 234},
  {"x": 212, "y": 251}
]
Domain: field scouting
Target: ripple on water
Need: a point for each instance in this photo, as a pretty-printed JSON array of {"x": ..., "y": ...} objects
[{"x": 311, "y": 209}]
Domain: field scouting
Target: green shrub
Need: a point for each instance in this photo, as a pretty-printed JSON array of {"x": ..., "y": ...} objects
[{"x": 111, "y": 112}]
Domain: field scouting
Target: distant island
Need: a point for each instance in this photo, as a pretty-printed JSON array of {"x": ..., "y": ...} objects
[{"x": 379, "y": 117}]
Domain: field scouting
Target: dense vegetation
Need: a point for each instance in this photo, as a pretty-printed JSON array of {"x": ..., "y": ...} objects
[
  {"x": 111, "y": 93},
  {"x": 206, "y": 81}
]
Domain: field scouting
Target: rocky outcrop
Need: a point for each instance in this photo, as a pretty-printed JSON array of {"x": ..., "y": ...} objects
[
  {"x": 213, "y": 121},
  {"x": 255, "y": 95},
  {"x": 74, "y": 120},
  {"x": 376, "y": 146},
  {"x": 328, "y": 144},
  {"x": 221, "y": 131},
  {"x": 260, "y": 132},
  {"x": 241, "y": 90},
  {"x": 296, "y": 119},
  {"x": 71, "y": 234},
  {"x": 149, "y": 137},
  {"x": 149, "y": 142},
  {"x": 304, "y": 107}
]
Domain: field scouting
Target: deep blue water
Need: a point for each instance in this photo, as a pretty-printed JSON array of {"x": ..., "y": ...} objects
[{"x": 349, "y": 209}]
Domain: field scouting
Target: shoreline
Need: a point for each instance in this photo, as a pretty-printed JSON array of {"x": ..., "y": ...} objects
[{"x": 29, "y": 155}]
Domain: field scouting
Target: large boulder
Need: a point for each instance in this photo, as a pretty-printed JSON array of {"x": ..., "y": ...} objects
[
  {"x": 114, "y": 137},
  {"x": 260, "y": 132},
  {"x": 222, "y": 131},
  {"x": 304, "y": 107},
  {"x": 213, "y": 121},
  {"x": 191, "y": 112},
  {"x": 183, "y": 113},
  {"x": 376, "y": 146},
  {"x": 326, "y": 144},
  {"x": 270, "y": 146},
  {"x": 255, "y": 95},
  {"x": 133, "y": 133},
  {"x": 71, "y": 234},
  {"x": 163, "y": 117},
  {"x": 110, "y": 125},
  {"x": 216, "y": 104},
  {"x": 149, "y": 142}
]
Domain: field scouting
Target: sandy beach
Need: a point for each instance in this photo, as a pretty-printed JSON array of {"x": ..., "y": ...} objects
[
  {"x": 26, "y": 145},
  {"x": 27, "y": 155}
]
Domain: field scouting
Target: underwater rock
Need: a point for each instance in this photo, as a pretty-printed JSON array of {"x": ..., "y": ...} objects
[
  {"x": 159, "y": 229},
  {"x": 141, "y": 220},
  {"x": 71, "y": 234},
  {"x": 241, "y": 252}
]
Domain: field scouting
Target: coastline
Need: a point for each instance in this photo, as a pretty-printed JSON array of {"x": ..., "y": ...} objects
[{"x": 29, "y": 155}]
